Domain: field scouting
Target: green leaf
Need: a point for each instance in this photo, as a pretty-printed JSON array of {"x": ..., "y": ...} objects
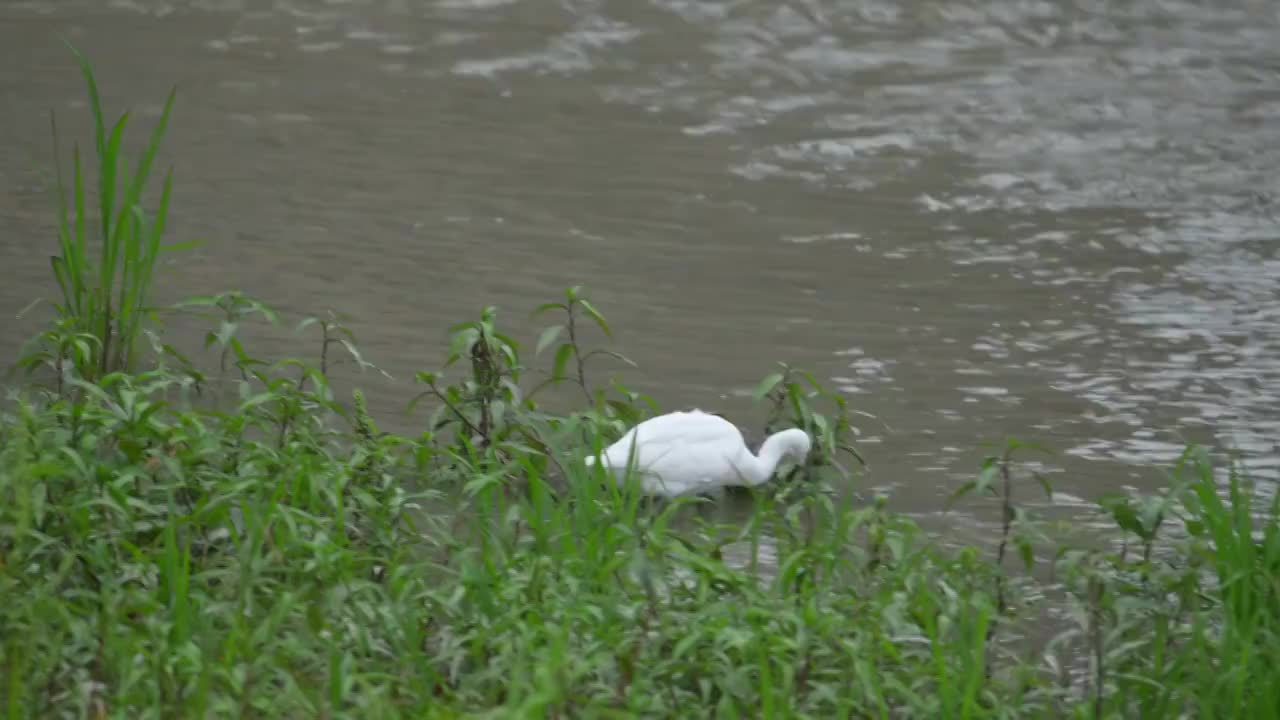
[
  {"x": 823, "y": 428},
  {"x": 595, "y": 315},
  {"x": 961, "y": 491},
  {"x": 482, "y": 483},
  {"x": 548, "y": 306},
  {"x": 462, "y": 341},
  {"x": 685, "y": 644},
  {"x": 852, "y": 452},
  {"x": 95, "y": 107},
  {"x": 612, "y": 354},
  {"x": 1123, "y": 512},
  {"x": 988, "y": 475},
  {"x": 413, "y": 403},
  {"x": 472, "y": 324},
  {"x": 790, "y": 568},
  {"x": 766, "y": 386},
  {"x": 1044, "y": 484},
  {"x": 181, "y": 246},
  {"x": 812, "y": 381},
  {"x": 1027, "y": 553},
  {"x": 562, "y": 358},
  {"x": 256, "y": 400},
  {"x": 508, "y": 343},
  {"x": 799, "y": 405}
]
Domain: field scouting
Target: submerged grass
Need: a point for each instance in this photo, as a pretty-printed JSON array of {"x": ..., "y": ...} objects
[{"x": 283, "y": 557}]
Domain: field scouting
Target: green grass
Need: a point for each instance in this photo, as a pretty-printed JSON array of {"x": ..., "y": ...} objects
[
  {"x": 104, "y": 284},
  {"x": 162, "y": 555}
]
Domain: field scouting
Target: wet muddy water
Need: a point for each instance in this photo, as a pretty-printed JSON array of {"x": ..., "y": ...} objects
[{"x": 1056, "y": 220}]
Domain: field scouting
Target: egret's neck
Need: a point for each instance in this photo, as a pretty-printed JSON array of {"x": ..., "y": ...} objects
[{"x": 772, "y": 451}]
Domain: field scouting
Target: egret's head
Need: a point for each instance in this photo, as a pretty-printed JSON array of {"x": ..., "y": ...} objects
[{"x": 794, "y": 443}]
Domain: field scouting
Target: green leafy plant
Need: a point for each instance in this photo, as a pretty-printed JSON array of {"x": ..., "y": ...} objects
[
  {"x": 792, "y": 395},
  {"x": 574, "y": 307},
  {"x": 479, "y": 404},
  {"x": 105, "y": 295},
  {"x": 997, "y": 479}
]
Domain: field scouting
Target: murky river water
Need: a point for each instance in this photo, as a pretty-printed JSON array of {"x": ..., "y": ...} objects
[{"x": 1057, "y": 220}]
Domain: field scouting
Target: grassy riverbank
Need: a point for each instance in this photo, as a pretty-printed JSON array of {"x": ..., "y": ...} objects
[{"x": 177, "y": 541}]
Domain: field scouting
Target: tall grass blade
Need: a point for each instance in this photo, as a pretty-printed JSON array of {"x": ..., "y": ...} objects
[{"x": 109, "y": 299}]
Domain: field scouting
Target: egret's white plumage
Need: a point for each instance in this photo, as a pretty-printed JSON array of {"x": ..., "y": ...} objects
[{"x": 692, "y": 452}]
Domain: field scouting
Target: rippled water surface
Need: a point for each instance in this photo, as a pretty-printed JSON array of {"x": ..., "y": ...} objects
[{"x": 1050, "y": 219}]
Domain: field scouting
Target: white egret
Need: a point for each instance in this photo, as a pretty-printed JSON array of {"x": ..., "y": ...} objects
[{"x": 693, "y": 452}]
